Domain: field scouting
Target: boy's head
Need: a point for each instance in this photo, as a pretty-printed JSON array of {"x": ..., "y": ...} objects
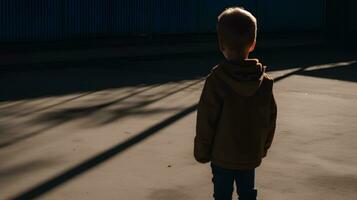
[{"x": 237, "y": 31}]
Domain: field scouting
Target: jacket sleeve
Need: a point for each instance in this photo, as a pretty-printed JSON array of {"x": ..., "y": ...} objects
[
  {"x": 208, "y": 111},
  {"x": 273, "y": 116}
]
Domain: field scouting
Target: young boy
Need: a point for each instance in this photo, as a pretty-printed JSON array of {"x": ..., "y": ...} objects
[{"x": 237, "y": 112}]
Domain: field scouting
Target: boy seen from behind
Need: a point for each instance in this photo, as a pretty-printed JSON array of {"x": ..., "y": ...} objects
[{"x": 237, "y": 112}]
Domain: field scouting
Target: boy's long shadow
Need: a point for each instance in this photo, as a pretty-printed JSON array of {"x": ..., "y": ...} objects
[{"x": 37, "y": 191}]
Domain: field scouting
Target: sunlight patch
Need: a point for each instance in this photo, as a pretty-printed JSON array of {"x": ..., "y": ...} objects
[{"x": 330, "y": 65}]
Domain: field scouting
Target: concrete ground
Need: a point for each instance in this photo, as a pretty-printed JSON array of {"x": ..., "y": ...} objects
[{"x": 109, "y": 129}]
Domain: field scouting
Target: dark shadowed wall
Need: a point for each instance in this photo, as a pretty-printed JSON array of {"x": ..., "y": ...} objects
[
  {"x": 50, "y": 20},
  {"x": 353, "y": 17}
]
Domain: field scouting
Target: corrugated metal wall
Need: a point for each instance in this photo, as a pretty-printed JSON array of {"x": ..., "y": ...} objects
[
  {"x": 210, "y": 9},
  {"x": 61, "y": 19},
  {"x": 175, "y": 16},
  {"x": 30, "y": 20},
  {"x": 291, "y": 15},
  {"x": 38, "y": 20},
  {"x": 353, "y": 16},
  {"x": 130, "y": 17}
]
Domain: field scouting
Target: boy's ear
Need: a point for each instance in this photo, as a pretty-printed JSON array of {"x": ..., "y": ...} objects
[
  {"x": 221, "y": 47},
  {"x": 252, "y": 47}
]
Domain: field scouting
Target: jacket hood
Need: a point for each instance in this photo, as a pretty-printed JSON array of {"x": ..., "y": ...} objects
[{"x": 244, "y": 77}]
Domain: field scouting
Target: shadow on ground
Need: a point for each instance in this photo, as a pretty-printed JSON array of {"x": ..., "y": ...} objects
[{"x": 102, "y": 75}]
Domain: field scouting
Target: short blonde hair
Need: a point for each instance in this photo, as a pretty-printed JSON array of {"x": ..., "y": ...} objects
[{"x": 236, "y": 29}]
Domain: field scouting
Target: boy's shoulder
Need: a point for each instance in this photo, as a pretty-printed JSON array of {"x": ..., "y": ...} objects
[
  {"x": 212, "y": 81},
  {"x": 212, "y": 73},
  {"x": 214, "y": 69},
  {"x": 268, "y": 77}
]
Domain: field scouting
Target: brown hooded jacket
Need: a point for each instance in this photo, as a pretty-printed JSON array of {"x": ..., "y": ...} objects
[{"x": 236, "y": 116}]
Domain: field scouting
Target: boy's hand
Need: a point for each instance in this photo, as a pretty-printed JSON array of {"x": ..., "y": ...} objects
[
  {"x": 265, "y": 153},
  {"x": 201, "y": 152},
  {"x": 203, "y": 160}
]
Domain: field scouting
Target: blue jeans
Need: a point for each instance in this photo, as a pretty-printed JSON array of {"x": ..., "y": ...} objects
[{"x": 223, "y": 180}]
